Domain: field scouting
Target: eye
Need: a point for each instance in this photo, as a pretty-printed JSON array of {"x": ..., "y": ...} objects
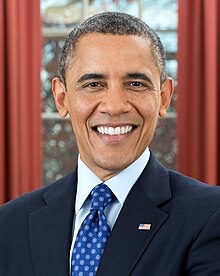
[
  {"x": 136, "y": 86},
  {"x": 93, "y": 84},
  {"x": 135, "y": 83}
]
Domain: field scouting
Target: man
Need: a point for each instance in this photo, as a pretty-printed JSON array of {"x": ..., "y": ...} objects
[{"x": 113, "y": 84}]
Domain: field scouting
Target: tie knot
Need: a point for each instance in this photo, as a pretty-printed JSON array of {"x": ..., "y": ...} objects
[{"x": 101, "y": 196}]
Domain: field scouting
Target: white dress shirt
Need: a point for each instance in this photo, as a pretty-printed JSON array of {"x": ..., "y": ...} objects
[{"x": 119, "y": 184}]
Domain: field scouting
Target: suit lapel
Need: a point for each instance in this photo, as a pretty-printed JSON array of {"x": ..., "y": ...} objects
[
  {"x": 126, "y": 243},
  {"x": 51, "y": 229}
]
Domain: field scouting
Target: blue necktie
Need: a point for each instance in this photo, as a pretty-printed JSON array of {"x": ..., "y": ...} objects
[{"x": 93, "y": 234}]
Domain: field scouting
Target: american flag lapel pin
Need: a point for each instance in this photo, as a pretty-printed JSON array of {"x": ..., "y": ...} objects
[{"x": 144, "y": 226}]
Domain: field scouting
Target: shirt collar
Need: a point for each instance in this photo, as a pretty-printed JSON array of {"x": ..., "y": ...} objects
[{"x": 119, "y": 184}]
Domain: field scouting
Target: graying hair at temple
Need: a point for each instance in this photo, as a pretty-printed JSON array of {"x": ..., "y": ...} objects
[{"x": 115, "y": 23}]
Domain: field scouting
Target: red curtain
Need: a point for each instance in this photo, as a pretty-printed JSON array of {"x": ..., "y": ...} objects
[
  {"x": 20, "y": 100},
  {"x": 198, "y": 126}
]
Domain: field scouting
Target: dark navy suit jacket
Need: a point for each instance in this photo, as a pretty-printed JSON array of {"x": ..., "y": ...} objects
[{"x": 184, "y": 239}]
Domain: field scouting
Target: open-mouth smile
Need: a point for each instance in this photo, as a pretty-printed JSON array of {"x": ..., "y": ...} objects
[{"x": 118, "y": 130}]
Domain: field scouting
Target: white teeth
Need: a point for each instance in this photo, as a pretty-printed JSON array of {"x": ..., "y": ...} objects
[
  {"x": 114, "y": 131},
  {"x": 111, "y": 131},
  {"x": 117, "y": 130}
]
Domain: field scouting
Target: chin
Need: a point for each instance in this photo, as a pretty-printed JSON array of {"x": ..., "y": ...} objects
[{"x": 113, "y": 165}]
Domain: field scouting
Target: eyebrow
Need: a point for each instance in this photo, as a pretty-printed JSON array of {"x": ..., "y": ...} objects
[
  {"x": 90, "y": 76},
  {"x": 140, "y": 76},
  {"x": 132, "y": 75}
]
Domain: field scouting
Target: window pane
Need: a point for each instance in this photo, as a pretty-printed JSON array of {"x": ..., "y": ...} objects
[
  {"x": 169, "y": 40},
  {"x": 61, "y": 14},
  {"x": 160, "y": 14},
  {"x": 51, "y": 53},
  {"x": 164, "y": 143},
  {"x": 131, "y": 7},
  {"x": 60, "y": 150}
]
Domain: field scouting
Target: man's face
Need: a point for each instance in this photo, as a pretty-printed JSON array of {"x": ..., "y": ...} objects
[{"x": 114, "y": 98}]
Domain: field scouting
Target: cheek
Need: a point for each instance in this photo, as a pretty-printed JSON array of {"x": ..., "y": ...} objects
[
  {"x": 80, "y": 109},
  {"x": 148, "y": 108}
]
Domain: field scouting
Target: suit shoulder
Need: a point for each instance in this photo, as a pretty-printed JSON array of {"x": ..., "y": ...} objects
[
  {"x": 16, "y": 214},
  {"x": 194, "y": 192},
  {"x": 33, "y": 200},
  {"x": 191, "y": 183}
]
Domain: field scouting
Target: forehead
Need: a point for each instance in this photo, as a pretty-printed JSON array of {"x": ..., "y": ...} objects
[
  {"x": 97, "y": 51},
  {"x": 109, "y": 41}
]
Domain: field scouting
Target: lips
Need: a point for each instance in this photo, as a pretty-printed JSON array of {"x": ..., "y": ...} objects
[{"x": 119, "y": 130}]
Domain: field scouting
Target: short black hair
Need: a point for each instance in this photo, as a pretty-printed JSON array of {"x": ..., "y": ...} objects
[{"x": 115, "y": 23}]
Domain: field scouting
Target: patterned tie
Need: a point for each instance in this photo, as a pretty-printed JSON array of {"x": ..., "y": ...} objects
[{"x": 93, "y": 234}]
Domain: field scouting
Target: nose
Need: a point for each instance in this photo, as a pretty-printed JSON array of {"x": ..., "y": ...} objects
[{"x": 115, "y": 101}]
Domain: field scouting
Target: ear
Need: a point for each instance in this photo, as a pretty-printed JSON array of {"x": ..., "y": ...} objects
[
  {"x": 166, "y": 96},
  {"x": 59, "y": 94}
]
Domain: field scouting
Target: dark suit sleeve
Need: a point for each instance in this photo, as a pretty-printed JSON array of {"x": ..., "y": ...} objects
[{"x": 204, "y": 255}]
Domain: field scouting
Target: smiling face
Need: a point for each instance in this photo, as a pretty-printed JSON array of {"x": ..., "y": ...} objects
[{"x": 114, "y": 97}]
